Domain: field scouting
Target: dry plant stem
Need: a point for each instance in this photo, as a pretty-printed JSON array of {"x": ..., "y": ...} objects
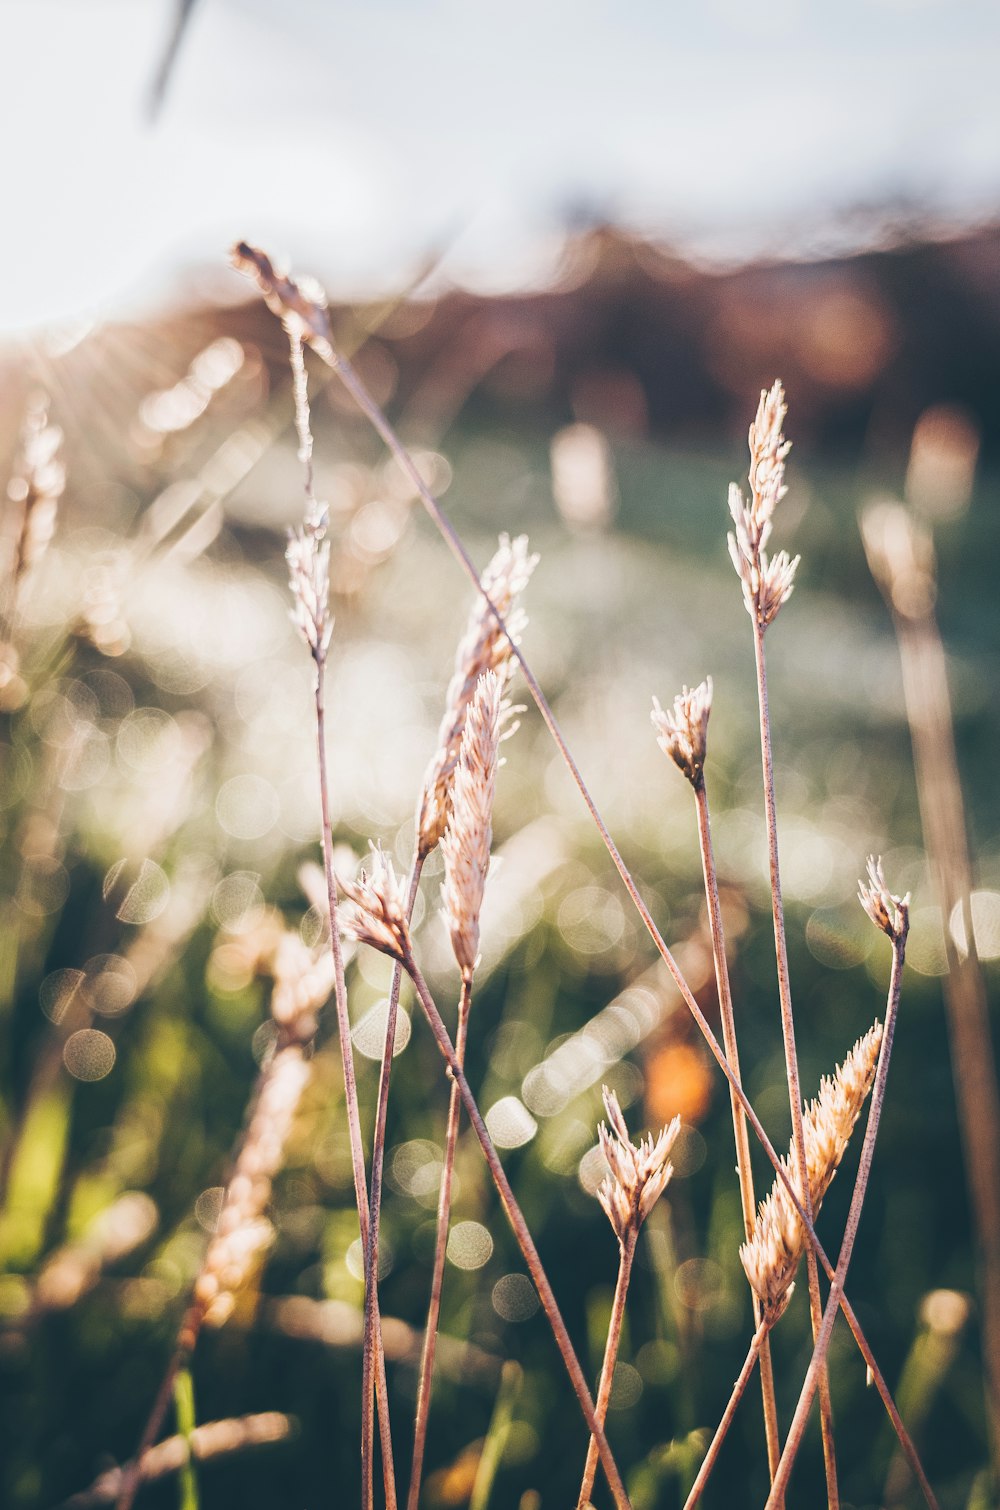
[
  {"x": 744, "y": 1169},
  {"x": 627, "y": 1254},
  {"x": 722, "y": 1430},
  {"x": 343, "y": 369},
  {"x": 942, "y": 817},
  {"x": 791, "y": 1057},
  {"x": 373, "y": 413},
  {"x": 353, "y": 1114},
  {"x": 378, "y": 1161},
  {"x": 798, "y": 1426},
  {"x": 440, "y": 1249},
  {"x": 520, "y": 1228}
]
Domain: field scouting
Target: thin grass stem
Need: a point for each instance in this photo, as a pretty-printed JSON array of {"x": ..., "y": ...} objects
[
  {"x": 722, "y": 1430},
  {"x": 521, "y": 1232},
  {"x": 797, "y": 1429},
  {"x": 440, "y": 1249},
  {"x": 378, "y": 1162},
  {"x": 353, "y": 1113},
  {"x": 791, "y": 1056},
  {"x": 626, "y": 1256},
  {"x": 745, "y": 1171}
]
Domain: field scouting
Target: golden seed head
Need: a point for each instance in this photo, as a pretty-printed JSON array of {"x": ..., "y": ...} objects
[
  {"x": 767, "y": 581},
  {"x": 771, "y": 1255},
  {"x": 483, "y": 647},
  {"x": 888, "y": 912},
  {"x": 379, "y": 914},
  {"x": 639, "y": 1172},
  {"x": 466, "y": 841},
  {"x": 682, "y": 733}
]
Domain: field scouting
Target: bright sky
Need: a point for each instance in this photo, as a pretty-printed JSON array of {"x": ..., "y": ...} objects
[{"x": 356, "y": 136}]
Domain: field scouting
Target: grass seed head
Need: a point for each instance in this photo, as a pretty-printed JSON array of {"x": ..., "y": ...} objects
[
  {"x": 466, "y": 841},
  {"x": 888, "y": 912},
  {"x": 682, "y": 733},
  {"x": 771, "y": 1255},
  {"x": 379, "y": 914},
  {"x": 483, "y": 647},
  {"x": 639, "y": 1172},
  {"x": 767, "y": 581}
]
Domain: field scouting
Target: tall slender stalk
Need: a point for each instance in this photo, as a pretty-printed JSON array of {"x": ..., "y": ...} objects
[
  {"x": 378, "y": 1163},
  {"x": 744, "y": 1169},
  {"x": 282, "y": 295},
  {"x": 308, "y": 557},
  {"x": 626, "y": 1255},
  {"x": 722, "y": 1430},
  {"x": 440, "y": 1250},
  {"x": 901, "y": 558},
  {"x": 682, "y": 734},
  {"x": 791, "y": 1056},
  {"x": 892, "y": 915}
]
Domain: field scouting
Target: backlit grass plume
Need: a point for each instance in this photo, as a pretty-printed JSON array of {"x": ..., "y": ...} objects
[
  {"x": 772, "y": 1254},
  {"x": 767, "y": 580},
  {"x": 466, "y": 841},
  {"x": 483, "y": 647}
]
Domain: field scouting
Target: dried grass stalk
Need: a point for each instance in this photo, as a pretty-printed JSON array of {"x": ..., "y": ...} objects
[{"x": 772, "y": 1255}]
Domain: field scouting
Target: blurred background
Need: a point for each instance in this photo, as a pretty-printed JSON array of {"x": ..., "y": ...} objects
[{"x": 566, "y": 246}]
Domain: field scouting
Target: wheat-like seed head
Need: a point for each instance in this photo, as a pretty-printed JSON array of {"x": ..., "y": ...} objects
[
  {"x": 771, "y": 1255},
  {"x": 299, "y": 303},
  {"x": 767, "y": 581},
  {"x": 303, "y": 981},
  {"x": 466, "y": 841},
  {"x": 682, "y": 732},
  {"x": 379, "y": 914},
  {"x": 483, "y": 647},
  {"x": 888, "y": 912},
  {"x": 242, "y": 1233},
  {"x": 639, "y": 1172}
]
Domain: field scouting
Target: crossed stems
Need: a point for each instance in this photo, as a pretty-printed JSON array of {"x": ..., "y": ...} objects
[
  {"x": 797, "y": 1430},
  {"x": 518, "y": 1224},
  {"x": 791, "y": 1057},
  {"x": 316, "y": 330}
]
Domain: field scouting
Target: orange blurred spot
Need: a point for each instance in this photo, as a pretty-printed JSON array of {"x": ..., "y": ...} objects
[
  {"x": 678, "y": 1083},
  {"x": 454, "y": 1485}
]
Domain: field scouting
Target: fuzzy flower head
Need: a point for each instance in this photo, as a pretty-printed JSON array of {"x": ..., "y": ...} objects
[
  {"x": 379, "y": 914},
  {"x": 682, "y": 732},
  {"x": 308, "y": 558},
  {"x": 466, "y": 842},
  {"x": 639, "y": 1172},
  {"x": 767, "y": 580},
  {"x": 888, "y": 912},
  {"x": 483, "y": 647},
  {"x": 771, "y": 1255}
]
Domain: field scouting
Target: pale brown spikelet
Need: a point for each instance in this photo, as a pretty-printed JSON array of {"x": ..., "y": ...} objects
[
  {"x": 308, "y": 550},
  {"x": 682, "y": 732},
  {"x": 771, "y": 1256},
  {"x": 243, "y": 1233},
  {"x": 303, "y": 981},
  {"x": 639, "y": 1172},
  {"x": 299, "y": 303},
  {"x": 378, "y": 917},
  {"x": 483, "y": 647},
  {"x": 767, "y": 581},
  {"x": 888, "y": 912},
  {"x": 465, "y": 844}
]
